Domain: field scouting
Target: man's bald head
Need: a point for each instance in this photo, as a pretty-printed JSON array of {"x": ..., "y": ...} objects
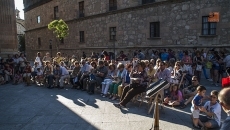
[{"x": 224, "y": 97}]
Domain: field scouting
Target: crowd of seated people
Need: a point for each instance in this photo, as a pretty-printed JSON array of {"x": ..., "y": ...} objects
[{"x": 122, "y": 81}]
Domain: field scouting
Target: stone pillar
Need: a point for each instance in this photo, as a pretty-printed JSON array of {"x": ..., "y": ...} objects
[{"x": 8, "y": 33}]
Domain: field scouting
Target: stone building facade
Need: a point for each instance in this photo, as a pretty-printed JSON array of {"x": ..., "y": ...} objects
[
  {"x": 127, "y": 25},
  {"x": 8, "y": 31}
]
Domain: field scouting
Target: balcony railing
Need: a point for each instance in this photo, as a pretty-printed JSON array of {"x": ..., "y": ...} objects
[
  {"x": 111, "y": 8},
  {"x": 81, "y": 13},
  {"x": 147, "y": 1}
]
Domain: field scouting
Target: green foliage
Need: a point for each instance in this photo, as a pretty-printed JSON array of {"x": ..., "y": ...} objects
[{"x": 59, "y": 27}]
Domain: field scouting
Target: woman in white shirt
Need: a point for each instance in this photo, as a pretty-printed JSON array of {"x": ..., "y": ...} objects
[
  {"x": 212, "y": 109},
  {"x": 22, "y": 60},
  {"x": 38, "y": 59}
]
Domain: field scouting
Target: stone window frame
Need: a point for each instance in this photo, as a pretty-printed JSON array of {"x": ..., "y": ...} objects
[
  {"x": 38, "y": 19},
  {"x": 39, "y": 41},
  {"x": 56, "y": 12},
  {"x": 154, "y": 29},
  {"x": 147, "y": 1},
  {"x": 208, "y": 26},
  {"x": 81, "y": 9},
  {"x": 112, "y": 37},
  {"x": 112, "y": 5},
  {"x": 81, "y": 36}
]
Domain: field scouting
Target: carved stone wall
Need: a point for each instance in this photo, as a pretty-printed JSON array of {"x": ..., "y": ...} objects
[{"x": 180, "y": 25}]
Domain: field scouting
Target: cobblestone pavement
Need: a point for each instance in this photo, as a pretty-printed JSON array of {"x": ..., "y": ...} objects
[{"x": 39, "y": 108}]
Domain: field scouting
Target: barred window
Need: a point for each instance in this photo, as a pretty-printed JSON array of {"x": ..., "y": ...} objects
[
  {"x": 82, "y": 38},
  {"x": 112, "y": 33},
  {"x": 81, "y": 9},
  {"x": 56, "y": 14},
  {"x": 208, "y": 28},
  {"x": 112, "y": 5},
  {"x": 39, "y": 41},
  {"x": 154, "y": 29},
  {"x": 38, "y": 19}
]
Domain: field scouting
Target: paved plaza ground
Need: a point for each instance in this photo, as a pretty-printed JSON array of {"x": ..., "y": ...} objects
[{"x": 39, "y": 108}]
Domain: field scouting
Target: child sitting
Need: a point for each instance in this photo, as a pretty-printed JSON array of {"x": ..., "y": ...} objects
[
  {"x": 196, "y": 105},
  {"x": 8, "y": 72},
  {"x": 27, "y": 73},
  {"x": 39, "y": 76},
  {"x": 175, "y": 98},
  {"x": 2, "y": 80},
  {"x": 17, "y": 78}
]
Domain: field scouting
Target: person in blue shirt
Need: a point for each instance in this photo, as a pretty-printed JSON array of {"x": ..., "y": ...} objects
[
  {"x": 196, "y": 104},
  {"x": 164, "y": 56},
  {"x": 224, "y": 97},
  {"x": 140, "y": 55}
]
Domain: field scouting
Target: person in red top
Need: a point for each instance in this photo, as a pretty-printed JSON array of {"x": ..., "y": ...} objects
[
  {"x": 106, "y": 55},
  {"x": 27, "y": 73},
  {"x": 121, "y": 57}
]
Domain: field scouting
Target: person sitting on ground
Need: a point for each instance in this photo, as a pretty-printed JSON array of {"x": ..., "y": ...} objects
[
  {"x": 27, "y": 73},
  {"x": 224, "y": 97},
  {"x": 39, "y": 77},
  {"x": 139, "y": 81},
  {"x": 175, "y": 98},
  {"x": 108, "y": 80},
  {"x": 99, "y": 77},
  {"x": 113, "y": 90},
  {"x": 190, "y": 91},
  {"x": 2, "y": 80},
  {"x": 17, "y": 78},
  {"x": 212, "y": 110},
  {"x": 196, "y": 105}
]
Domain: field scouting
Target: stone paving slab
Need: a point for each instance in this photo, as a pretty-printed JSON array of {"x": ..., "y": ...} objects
[{"x": 39, "y": 108}]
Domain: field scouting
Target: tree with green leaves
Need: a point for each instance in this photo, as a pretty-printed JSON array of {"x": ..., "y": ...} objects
[{"x": 60, "y": 28}]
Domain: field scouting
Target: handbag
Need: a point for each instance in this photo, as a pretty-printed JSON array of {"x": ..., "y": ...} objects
[
  {"x": 198, "y": 67},
  {"x": 209, "y": 65},
  {"x": 226, "y": 82}
]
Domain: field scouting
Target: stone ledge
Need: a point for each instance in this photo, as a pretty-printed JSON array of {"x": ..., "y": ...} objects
[
  {"x": 154, "y": 38},
  {"x": 208, "y": 36}
]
